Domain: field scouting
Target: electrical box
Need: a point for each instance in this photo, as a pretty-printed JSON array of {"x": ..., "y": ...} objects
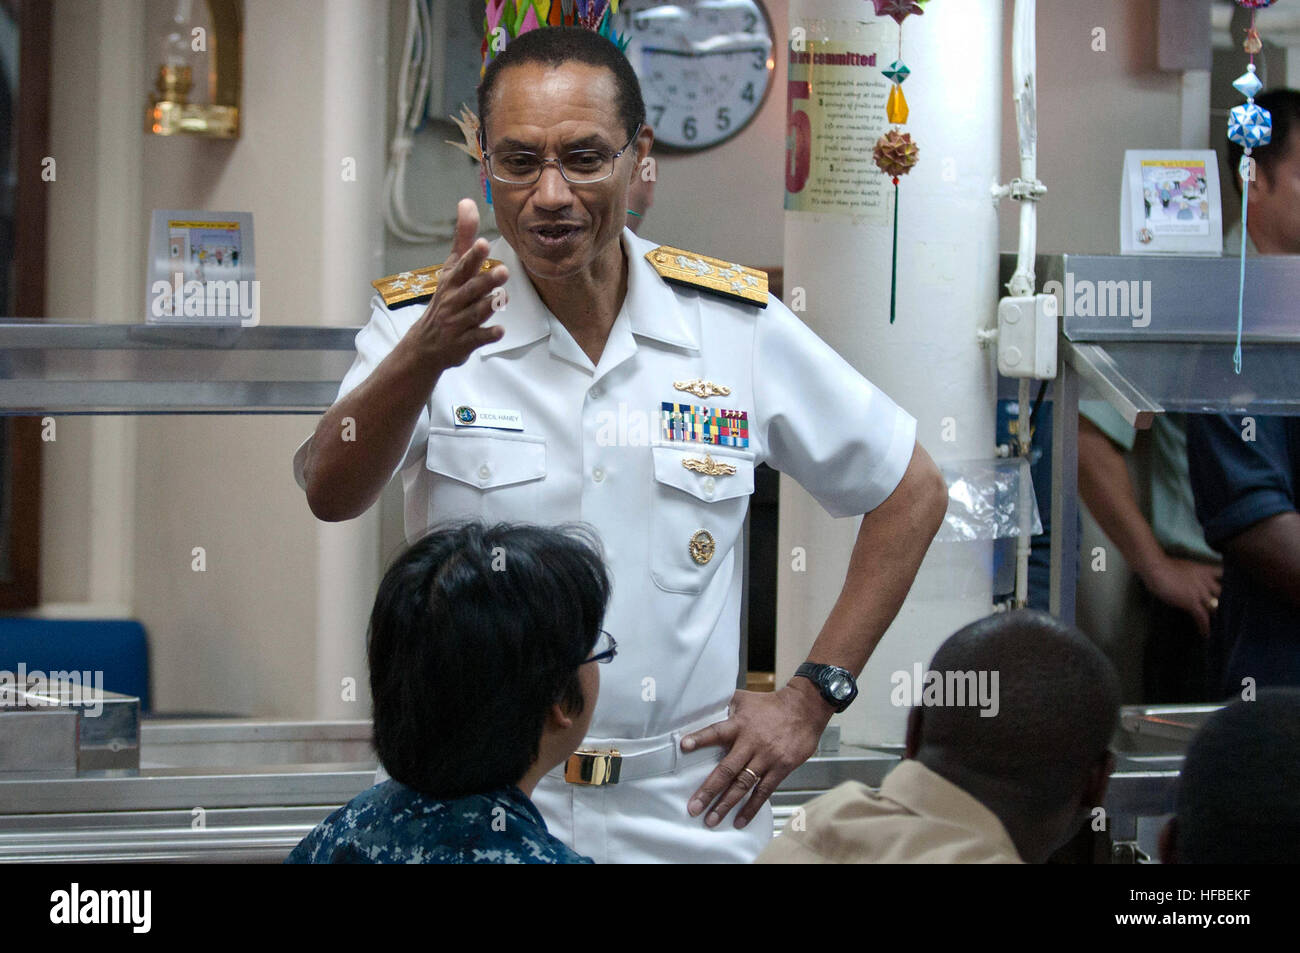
[{"x": 1027, "y": 337}]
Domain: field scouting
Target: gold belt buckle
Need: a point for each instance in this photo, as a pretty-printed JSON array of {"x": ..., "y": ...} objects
[{"x": 592, "y": 766}]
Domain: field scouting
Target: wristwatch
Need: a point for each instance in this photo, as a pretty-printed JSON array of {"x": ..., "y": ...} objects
[{"x": 836, "y": 684}]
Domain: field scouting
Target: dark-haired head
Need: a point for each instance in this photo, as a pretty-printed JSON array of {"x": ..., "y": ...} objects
[
  {"x": 1236, "y": 801},
  {"x": 477, "y": 634},
  {"x": 556, "y": 46}
]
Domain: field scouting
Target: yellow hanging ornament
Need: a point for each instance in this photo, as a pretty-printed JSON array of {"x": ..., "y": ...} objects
[{"x": 896, "y": 107}]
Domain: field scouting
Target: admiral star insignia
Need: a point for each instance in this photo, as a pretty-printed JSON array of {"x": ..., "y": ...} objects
[
  {"x": 724, "y": 278},
  {"x": 407, "y": 287}
]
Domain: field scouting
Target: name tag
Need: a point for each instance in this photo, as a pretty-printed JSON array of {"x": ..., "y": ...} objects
[{"x": 463, "y": 415}]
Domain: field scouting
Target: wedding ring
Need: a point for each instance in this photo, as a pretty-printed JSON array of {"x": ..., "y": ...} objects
[{"x": 751, "y": 773}]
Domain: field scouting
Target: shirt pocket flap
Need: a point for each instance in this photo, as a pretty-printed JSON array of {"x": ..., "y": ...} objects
[
  {"x": 486, "y": 460},
  {"x": 670, "y": 469}
]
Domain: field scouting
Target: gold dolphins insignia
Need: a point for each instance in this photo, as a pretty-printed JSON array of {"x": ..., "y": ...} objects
[
  {"x": 708, "y": 466},
  {"x": 702, "y": 388}
]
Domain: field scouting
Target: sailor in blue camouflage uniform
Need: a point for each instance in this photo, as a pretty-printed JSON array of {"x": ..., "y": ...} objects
[
  {"x": 392, "y": 824},
  {"x": 481, "y": 644}
]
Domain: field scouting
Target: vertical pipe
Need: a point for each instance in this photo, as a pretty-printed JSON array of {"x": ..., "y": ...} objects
[
  {"x": 929, "y": 360},
  {"x": 1065, "y": 490}
]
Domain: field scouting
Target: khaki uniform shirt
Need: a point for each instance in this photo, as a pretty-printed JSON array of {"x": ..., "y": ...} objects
[{"x": 917, "y": 817}]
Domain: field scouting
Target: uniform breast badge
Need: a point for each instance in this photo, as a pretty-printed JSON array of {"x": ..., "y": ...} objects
[
  {"x": 708, "y": 466},
  {"x": 702, "y": 546},
  {"x": 702, "y": 388}
]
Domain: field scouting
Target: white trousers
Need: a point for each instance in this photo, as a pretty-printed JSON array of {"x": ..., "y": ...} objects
[{"x": 644, "y": 821}]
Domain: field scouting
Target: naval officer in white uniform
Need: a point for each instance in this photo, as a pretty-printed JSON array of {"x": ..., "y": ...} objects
[{"x": 594, "y": 376}]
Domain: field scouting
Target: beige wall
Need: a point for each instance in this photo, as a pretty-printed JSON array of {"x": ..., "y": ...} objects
[
  {"x": 127, "y": 499},
  {"x": 1091, "y": 107}
]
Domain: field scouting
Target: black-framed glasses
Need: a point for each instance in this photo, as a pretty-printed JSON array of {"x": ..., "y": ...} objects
[
  {"x": 579, "y": 167},
  {"x": 604, "y": 650}
]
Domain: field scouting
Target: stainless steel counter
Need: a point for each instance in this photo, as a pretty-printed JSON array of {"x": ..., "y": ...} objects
[{"x": 248, "y": 790}]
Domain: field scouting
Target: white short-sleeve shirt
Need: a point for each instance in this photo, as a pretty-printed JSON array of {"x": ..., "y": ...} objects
[{"x": 593, "y": 448}]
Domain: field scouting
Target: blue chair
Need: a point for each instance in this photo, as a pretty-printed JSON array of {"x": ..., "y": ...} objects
[{"x": 117, "y": 647}]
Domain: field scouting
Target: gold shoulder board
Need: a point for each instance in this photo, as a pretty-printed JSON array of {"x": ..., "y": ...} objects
[
  {"x": 711, "y": 274},
  {"x": 407, "y": 287}
]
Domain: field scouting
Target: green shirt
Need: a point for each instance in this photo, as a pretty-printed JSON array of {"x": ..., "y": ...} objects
[{"x": 1173, "y": 511}]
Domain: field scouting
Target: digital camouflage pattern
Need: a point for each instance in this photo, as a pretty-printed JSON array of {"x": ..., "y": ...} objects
[{"x": 393, "y": 824}]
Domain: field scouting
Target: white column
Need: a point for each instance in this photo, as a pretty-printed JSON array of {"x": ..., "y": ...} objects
[
  {"x": 355, "y": 97},
  {"x": 928, "y": 361}
]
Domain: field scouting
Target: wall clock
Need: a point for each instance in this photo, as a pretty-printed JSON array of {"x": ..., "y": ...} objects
[{"x": 705, "y": 66}]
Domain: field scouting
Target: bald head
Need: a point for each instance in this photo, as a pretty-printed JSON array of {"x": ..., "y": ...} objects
[{"x": 1057, "y": 708}]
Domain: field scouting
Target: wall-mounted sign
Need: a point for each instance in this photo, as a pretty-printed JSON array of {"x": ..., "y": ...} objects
[
  {"x": 1169, "y": 203},
  {"x": 201, "y": 269}
]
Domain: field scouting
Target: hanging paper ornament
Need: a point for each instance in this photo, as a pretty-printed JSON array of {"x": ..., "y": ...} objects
[
  {"x": 895, "y": 153},
  {"x": 1249, "y": 126},
  {"x": 517, "y": 17},
  {"x": 898, "y": 9},
  {"x": 1248, "y": 84},
  {"x": 896, "y": 106},
  {"x": 897, "y": 72}
]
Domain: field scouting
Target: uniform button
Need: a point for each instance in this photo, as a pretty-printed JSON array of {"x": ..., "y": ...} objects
[
  {"x": 595, "y": 393},
  {"x": 708, "y": 485},
  {"x": 598, "y": 474},
  {"x": 484, "y": 472}
]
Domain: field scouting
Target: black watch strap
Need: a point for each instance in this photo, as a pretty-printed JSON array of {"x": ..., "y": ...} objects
[{"x": 827, "y": 676}]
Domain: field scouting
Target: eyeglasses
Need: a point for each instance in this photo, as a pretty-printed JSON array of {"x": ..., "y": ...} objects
[
  {"x": 605, "y": 649},
  {"x": 580, "y": 167}
]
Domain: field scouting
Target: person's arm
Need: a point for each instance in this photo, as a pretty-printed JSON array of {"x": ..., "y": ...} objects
[
  {"x": 874, "y": 588},
  {"x": 1270, "y": 552},
  {"x": 1107, "y": 490},
  {"x": 344, "y": 477},
  {"x": 773, "y": 733}
]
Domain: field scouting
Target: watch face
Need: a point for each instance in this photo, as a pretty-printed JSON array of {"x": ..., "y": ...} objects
[
  {"x": 704, "y": 66},
  {"x": 839, "y": 687}
]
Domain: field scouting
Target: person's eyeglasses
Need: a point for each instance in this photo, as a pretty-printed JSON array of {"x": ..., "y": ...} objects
[
  {"x": 579, "y": 167},
  {"x": 605, "y": 649}
]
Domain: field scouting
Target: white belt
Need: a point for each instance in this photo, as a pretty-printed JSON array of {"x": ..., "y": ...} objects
[{"x": 613, "y": 760}]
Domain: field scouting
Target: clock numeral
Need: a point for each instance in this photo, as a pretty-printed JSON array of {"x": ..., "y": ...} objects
[
  {"x": 659, "y": 114},
  {"x": 748, "y": 94},
  {"x": 760, "y": 59},
  {"x": 751, "y": 20},
  {"x": 688, "y": 128},
  {"x": 724, "y": 120}
]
